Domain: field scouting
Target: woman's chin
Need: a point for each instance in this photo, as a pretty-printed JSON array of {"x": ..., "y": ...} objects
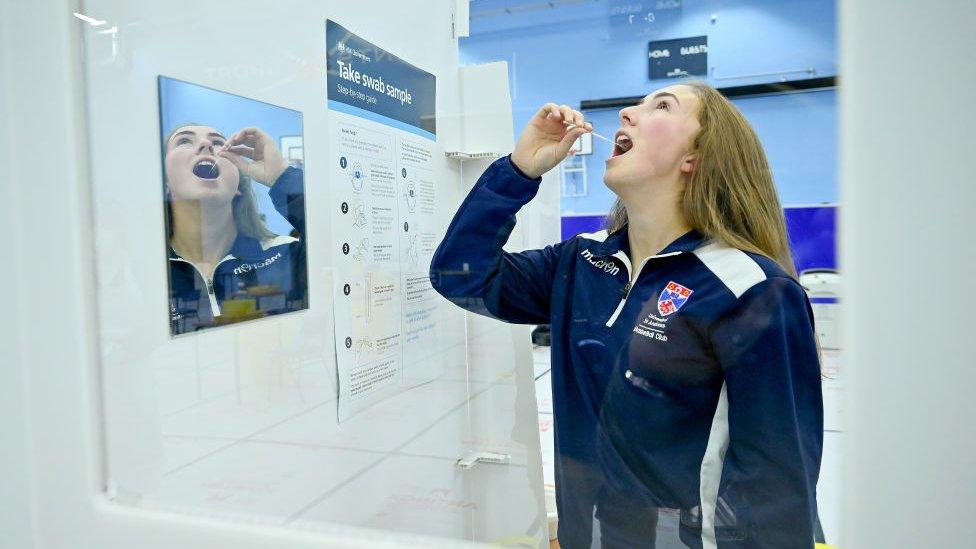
[
  {"x": 209, "y": 195},
  {"x": 216, "y": 198},
  {"x": 615, "y": 180}
]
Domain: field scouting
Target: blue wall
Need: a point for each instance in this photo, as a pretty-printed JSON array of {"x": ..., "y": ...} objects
[
  {"x": 589, "y": 50},
  {"x": 798, "y": 131},
  {"x": 182, "y": 103}
]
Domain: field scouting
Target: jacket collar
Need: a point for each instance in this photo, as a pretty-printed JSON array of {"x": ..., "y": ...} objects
[
  {"x": 603, "y": 243},
  {"x": 688, "y": 242},
  {"x": 246, "y": 248}
]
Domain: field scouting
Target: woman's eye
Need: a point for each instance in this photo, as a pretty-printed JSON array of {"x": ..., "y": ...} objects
[
  {"x": 663, "y": 104},
  {"x": 183, "y": 141},
  {"x": 218, "y": 143}
]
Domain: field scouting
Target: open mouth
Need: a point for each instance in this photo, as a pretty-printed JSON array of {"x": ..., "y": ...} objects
[
  {"x": 621, "y": 144},
  {"x": 206, "y": 169}
]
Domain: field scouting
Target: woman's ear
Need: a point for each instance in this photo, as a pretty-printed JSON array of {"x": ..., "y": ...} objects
[{"x": 689, "y": 163}]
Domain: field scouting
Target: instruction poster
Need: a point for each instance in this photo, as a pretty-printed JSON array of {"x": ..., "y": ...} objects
[{"x": 382, "y": 131}]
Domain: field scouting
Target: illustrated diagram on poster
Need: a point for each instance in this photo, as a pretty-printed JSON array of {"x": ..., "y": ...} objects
[{"x": 382, "y": 143}]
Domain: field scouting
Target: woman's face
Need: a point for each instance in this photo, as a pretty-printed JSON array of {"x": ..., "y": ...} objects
[
  {"x": 193, "y": 172},
  {"x": 654, "y": 139}
]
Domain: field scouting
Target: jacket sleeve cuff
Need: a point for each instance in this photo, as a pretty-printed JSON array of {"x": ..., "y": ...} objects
[
  {"x": 520, "y": 172},
  {"x": 503, "y": 179},
  {"x": 289, "y": 182}
]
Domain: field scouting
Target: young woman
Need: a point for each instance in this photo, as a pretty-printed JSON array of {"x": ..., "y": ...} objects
[
  {"x": 685, "y": 368},
  {"x": 219, "y": 244}
]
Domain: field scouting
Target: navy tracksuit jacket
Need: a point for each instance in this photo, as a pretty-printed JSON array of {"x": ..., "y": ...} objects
[{"x": 696, "y": 388}]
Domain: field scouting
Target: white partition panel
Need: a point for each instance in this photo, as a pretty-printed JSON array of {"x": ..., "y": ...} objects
[
  {"x": 134, "y": 436},
  {"x": 908, "y": 258}
]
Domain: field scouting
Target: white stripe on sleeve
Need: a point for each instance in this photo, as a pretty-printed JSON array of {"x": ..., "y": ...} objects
[{"x": 711, "y": 469}]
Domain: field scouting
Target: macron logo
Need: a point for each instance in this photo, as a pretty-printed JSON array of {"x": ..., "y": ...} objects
[{"x": 607, "y": 266}]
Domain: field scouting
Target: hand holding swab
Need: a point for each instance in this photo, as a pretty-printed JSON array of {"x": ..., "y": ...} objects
[
  {"x": 548, "y": 139},
  {"x": 570, "y": 125}
]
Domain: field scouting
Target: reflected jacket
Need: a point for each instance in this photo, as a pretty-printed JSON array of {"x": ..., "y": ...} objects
[
  {"x": 277, "y": 262},
  {"x": 696, "y": 386}
]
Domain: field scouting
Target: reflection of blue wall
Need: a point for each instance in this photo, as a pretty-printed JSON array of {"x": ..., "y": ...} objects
[
  {"x": 812, "y": 232},
  {"x": 798, "y": 131},
  {"x": 575, "y": 52},
  {"x": 182, "y": 102},
  {"x": 813, "y": 236}
]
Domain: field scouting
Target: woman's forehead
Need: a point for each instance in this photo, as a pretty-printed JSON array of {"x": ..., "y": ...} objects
[
  {"x": 198, "y": 131},
  {"x": 679, "y": 90}
]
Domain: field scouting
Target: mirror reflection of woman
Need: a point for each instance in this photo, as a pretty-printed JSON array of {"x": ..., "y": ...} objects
[{"x": 220, "y": 246}]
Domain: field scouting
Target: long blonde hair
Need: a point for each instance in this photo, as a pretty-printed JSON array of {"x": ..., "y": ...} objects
[{"x": 730, "y": 196}]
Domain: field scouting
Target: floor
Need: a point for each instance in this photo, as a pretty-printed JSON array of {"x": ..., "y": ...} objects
[{"x": 242, "y": 424}]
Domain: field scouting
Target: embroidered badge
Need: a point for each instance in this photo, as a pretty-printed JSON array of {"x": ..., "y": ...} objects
[{"x": 673, "y": 297}]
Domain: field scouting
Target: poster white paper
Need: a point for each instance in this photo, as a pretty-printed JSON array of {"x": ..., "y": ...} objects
[{"x": 382, "y": 143}]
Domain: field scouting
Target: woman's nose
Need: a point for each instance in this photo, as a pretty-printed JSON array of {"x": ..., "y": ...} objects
[
  {"x": 625, "y": 117},
  {"x": 205, "y": 145}
]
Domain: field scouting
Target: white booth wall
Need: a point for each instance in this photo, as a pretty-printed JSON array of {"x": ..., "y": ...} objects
[{"x": 135, "y": 435}]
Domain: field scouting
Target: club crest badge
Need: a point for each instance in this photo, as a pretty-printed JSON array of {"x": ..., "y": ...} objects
[{"x": 673, "y": 297}]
